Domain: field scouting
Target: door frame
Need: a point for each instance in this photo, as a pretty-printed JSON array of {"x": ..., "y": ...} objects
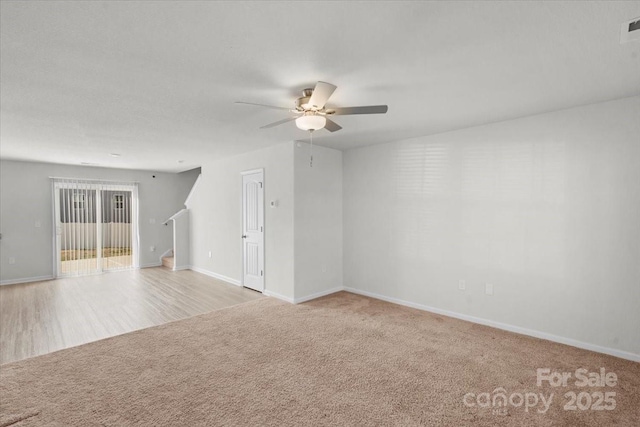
[{"x": 264, "y": 232}]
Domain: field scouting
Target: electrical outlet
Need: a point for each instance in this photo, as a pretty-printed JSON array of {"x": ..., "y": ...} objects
[
  {"x": 462, "y": 285},
  {"x": 12, "y": 260},
  {"x": 152, "y": 248},
  {"x": 38, "y": 224},
  {"x": 209, "y": 254},
  {"x": 488, "y": 288},
  {"x": 152, "y": 221}
]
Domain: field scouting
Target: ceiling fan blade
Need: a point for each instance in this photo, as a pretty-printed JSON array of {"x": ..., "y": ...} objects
[
  {"x": 279, "y": 122},
  {"x": 321, "y": 94},
  {"x": 332, "y": 126},
  {"x": 273, "y": 107},
  {"x": 369, "y": 109}
]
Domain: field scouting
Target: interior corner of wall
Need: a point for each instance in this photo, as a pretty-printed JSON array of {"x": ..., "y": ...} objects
[{"x": 193, "y": 190}]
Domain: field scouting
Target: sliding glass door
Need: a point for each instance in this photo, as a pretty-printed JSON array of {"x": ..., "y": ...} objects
[{"x": 96, "y": 226}]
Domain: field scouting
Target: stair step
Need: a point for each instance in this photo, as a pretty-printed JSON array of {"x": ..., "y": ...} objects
[{"x": 167, "y": 261}]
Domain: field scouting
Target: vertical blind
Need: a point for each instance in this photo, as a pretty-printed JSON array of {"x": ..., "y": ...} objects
[{"x": 96, "y": 225}]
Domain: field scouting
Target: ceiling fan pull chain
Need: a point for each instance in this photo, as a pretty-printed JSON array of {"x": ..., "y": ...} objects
[{"x": 311, "y": 158}]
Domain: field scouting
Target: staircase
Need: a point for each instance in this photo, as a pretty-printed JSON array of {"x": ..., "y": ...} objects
[
  {"x": 178, "y": 257},
  {"x": 167, "y": 261}
]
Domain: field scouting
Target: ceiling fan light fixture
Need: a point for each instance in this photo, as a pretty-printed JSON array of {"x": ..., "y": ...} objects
[
  {"x": 311, "y": 122},
  {"x": 310, "y": 110}
]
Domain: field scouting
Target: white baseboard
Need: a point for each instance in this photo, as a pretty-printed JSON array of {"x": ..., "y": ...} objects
[
  {"x": 504, "y": 326},
  {"x": 25, "y": 280},
  {"x": 276, "y": 295},
  {"x": 182, "y": 267},
  {"x": 318, "y": 295},
  {"x": 215, "y": 275}
]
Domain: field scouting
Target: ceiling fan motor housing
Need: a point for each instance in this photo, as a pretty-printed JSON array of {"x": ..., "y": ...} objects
[{"x": 302, "y": 103}]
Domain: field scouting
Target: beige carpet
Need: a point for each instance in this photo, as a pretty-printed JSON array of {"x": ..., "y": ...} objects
[{"x": 342, "y": 360}]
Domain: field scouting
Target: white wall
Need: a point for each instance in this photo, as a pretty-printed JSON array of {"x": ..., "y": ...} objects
[
  {"x": 181, "y": 236},
  {"x": 318, "y": 221},
  {"x": 25, "y": 198},
  {"x": 546, "y": 208},
  {"x": 216, "y": 222}
]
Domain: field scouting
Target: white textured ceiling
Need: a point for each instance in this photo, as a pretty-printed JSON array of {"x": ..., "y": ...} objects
[{"x": 156, "y": 81}]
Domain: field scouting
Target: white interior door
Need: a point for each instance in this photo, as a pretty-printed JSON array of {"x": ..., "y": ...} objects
[{"x": 253, "y": 229}]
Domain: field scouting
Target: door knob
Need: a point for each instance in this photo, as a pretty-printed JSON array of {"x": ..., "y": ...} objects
[{"x": 244, "y": 236}]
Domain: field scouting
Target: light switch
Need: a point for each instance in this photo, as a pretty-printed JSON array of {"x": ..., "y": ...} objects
[{"x": 488, "y": 288}]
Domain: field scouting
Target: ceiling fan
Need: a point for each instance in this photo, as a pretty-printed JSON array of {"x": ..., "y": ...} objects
[{"x": 311, "y": 113}]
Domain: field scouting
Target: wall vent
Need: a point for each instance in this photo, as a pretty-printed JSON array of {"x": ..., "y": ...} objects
[{"x": 630, "y": 31}]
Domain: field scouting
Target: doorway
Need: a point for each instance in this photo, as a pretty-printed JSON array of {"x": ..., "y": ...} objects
[
  {"x": 253, "y": 229},
  {"x": 96, "y": 226}
]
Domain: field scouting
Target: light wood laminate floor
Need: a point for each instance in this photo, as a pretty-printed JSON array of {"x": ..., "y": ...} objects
[{"x": 41, "y": 317}]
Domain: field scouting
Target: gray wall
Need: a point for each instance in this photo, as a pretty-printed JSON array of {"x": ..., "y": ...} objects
[
  {"x": 216, "y": 221},
  {"x": 181, "y": 243},
  {"x": 318, "y": 221},
  {"x": 303, "y": 234},
  {"x": 546, "y": 208},
  {"x": 26, "y": 219}
]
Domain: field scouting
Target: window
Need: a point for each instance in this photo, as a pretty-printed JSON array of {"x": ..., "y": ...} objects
[
  {"x": 118, "y": 201},
  {"x": 78, "y": 201}
]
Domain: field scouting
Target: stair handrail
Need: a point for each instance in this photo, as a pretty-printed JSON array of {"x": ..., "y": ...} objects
[{"x": 175, "y": 215}]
